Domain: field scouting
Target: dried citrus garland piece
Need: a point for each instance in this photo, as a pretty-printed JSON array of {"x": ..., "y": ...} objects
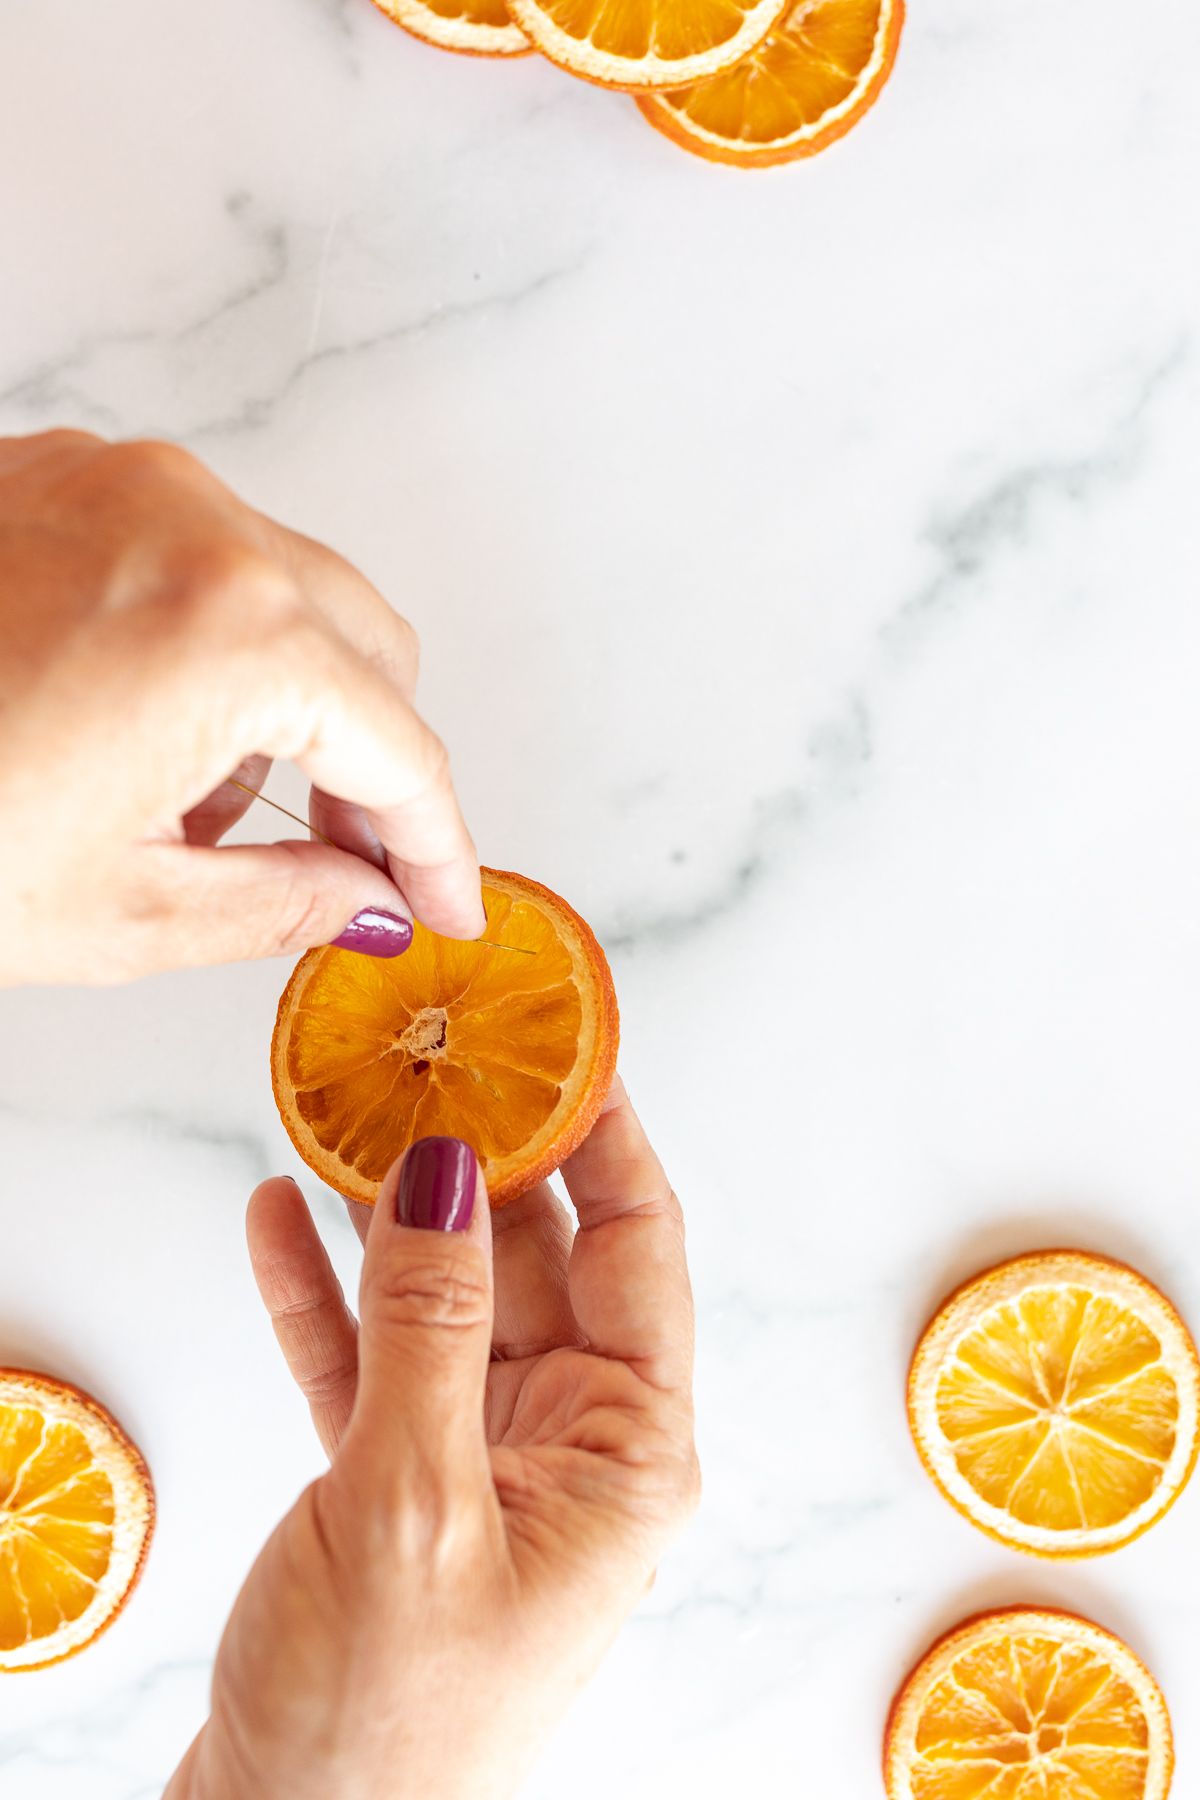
[
  {"x": 76, "y": 1517},
  {"x": 819, "y": 70},
  {"x": 515, "y": 1053},
  {"x": 1054, "y": 1400},
  {"x": 1029, "y": 1705}
]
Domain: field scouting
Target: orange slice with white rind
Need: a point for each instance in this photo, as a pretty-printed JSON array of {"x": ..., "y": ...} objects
[
  {"x": 645, "y": 43},
  {"x": 818, "y": 71},
  {"x": 1055, "y": 1401},
  {"x": 76, "y": 1518},
  {"x": 473, "y": 27},
  {"x": 1029, "y": 1704},
  {"x": 512, "y": 1048}
]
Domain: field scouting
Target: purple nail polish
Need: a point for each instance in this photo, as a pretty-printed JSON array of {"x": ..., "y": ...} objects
[
  {"x": 373, "y": 932},
  {"x": 437, "y": 1185}
]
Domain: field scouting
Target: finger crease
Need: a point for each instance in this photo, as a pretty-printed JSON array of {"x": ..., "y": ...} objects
[
  {"x": 303, "y": 1309},
  {"x": 520, "y": 1348},
  {"x": 326, "y": 1385}
]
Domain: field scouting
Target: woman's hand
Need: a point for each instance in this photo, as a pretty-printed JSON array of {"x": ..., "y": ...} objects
[
  {"x": 511, "y": 1444},
  {"x": 158, "y": 638}
]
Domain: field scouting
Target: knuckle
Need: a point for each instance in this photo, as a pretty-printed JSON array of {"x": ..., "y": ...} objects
[
  {"x": 66, "y": 437},
  {"x": 441, "y": 1293},
  {"x": 672, "y": 1211},
  {"x": 435, "y": 761},
  {"x": 152, "y": 459},
  {"x": 408, "y": 648},
  {"x": 436, "y": 1525},
  {"x": 322, "y": 1386},
  {"x": 236, "y": 591}
]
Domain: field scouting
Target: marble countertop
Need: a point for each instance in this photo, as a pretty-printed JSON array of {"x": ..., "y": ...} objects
[{"x": 806, "y": 568}]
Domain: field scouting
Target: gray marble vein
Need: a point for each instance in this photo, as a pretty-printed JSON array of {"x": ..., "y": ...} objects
[
  {"x": 147, "y": 1122},
  {"x": 155, "y": 1125},
  {"x": 57, "y": 388},
  {"x": 259, "y": 411},
  {"x": 1007, "y": 515},
  {"x": 63, "y": 387},
  {"x": 1011, "y": 515}
]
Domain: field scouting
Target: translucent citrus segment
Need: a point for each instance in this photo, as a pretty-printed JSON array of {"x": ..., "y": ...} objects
[
  {"x": 510, "y": 1044},
  {"x": 1054, "y": 1400},
  {"x": 76, "y": 1515},
  {"x": 645, "y": 43},
  {"x": 821, "y": 67},
  {"x": 476, "y": 27},
  {"x": 1029, "y": 1705}
]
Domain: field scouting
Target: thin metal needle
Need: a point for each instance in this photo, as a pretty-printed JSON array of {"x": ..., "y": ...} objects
[
  {"x": 517, "y": 949},
  {"x": 267, "y": 801}
]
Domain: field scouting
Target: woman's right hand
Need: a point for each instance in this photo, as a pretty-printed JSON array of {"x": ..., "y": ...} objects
[
  {"x": 160, "y": 638},
  {"x": 511, "y": 1445}
]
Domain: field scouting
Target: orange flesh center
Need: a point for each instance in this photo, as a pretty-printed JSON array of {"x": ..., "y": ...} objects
[
  {"x": 1060, "y": 1410},
  {"x": 810, "y": 63},
  {"x": 1027, "y": 1717},
  {"x": 56, "y": 1517},
  {"x": 450, "y": 1039}
]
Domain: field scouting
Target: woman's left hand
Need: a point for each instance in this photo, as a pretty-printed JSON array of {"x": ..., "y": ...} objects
[{"x": 511, "y": 1445}]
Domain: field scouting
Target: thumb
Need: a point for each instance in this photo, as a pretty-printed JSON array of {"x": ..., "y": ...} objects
[
  {"x": 425, "y": 1340},
  {"x": 246, "y": 901}
]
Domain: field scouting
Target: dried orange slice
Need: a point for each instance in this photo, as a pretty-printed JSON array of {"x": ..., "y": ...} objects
[
  {"x": 822, "y": 67},
  {"x": 1029, "y": 1705},
  {"x": 515, "y": 1053},
  {"x": 476, "y": 27},
  {"x": 645, "y": 43},
  {"x": 1054, "y": 1400},
  {"x": 76, "y": 1516}
]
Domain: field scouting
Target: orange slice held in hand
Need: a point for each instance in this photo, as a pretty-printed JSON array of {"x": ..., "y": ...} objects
[
  {"x": 514, "y": 1053},
  {"x": 645, "y": 43},
  {"x": 811, "y": 79},
  {"x": 1054, "y": 1400},
  {"x": 475, "y": 27},
  {"x": 76, "y": 1517},
  {"x": 1029, "y": 1705}
]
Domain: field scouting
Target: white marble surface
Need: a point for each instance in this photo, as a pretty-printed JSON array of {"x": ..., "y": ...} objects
[{"x": 806, "y": 565}]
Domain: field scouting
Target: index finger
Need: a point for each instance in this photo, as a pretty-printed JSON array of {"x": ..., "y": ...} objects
[
  {"x": 367, "y": 744},
  {"x": 627, "y": 1277},
  {"x": 301, "y": 690}
]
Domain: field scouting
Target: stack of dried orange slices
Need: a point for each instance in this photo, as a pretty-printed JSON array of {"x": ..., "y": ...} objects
[{"x": 747, "y": 82}]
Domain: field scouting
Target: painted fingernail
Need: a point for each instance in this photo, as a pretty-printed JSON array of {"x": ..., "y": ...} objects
[
  {"x": 437, "y": 1185},
  {"x": 373, "y": 932}
]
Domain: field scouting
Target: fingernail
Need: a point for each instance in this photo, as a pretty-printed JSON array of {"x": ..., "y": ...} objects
[
  {"x": 437, "y": 1185},
  {"x": 373, "y": 932}
]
